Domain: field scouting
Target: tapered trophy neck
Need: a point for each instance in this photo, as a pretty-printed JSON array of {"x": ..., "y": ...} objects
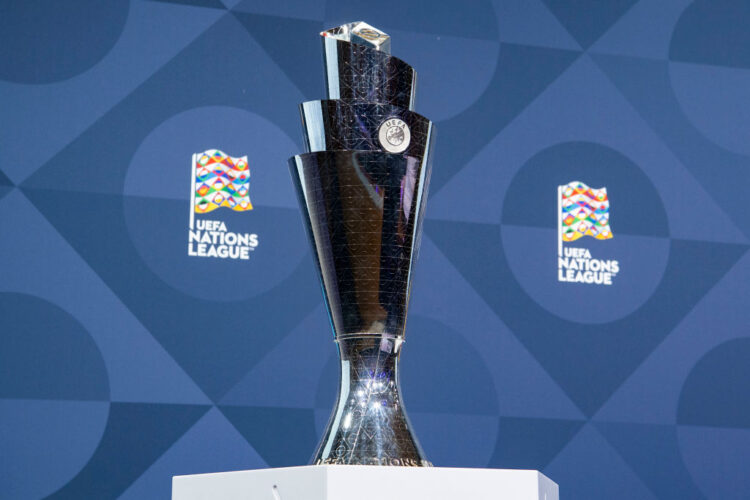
[{"x": 369, "y": 425}]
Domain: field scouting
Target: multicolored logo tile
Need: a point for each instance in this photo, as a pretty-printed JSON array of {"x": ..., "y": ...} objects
[
  {"x": 219, "y": 180},
  {"x": 583, "y": 211}
]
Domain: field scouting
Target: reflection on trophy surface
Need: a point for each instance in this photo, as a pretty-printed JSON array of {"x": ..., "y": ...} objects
[{"x": 362, "y": 186}]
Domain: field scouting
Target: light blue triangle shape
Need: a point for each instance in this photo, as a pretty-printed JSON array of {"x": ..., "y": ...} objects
[
  {"x": 154, "y": 33},
  {"x": 644, "y": 31},
  {"x": 288, "y": 376},
  {"x": 524, "y": 388},
  {"x": 588, "y": 467},
  {"x": 529, "y": 22},
  {"x": 211, "y": 445},
  {"x": 39, "y": 262},
  {"x": 651, "y": 394}
]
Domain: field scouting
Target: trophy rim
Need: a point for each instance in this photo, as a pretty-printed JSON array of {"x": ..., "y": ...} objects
[
  {"x": 384, "y": 55},
  {"x": 332, "y": 47},
  {"x": 333, "y": 152},
  {"x": 329, "y": 124},
  {"x": 362, "y": 102},
  {"x": 332, "y": 33}
]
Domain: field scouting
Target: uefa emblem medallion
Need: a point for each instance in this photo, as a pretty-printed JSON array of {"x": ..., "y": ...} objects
[{"x": 394, "y": 135}]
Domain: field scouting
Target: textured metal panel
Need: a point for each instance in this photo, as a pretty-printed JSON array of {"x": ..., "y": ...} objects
[
  {"x": 363, "y": 211},
  {"x": 360, "y": 73},
  {"x": 337, "y": 124}
]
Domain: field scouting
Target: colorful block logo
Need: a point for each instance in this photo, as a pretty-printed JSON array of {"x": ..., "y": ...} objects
[
  {"x": 220, "y": 180},
  {"x": 584, "y": 211}
]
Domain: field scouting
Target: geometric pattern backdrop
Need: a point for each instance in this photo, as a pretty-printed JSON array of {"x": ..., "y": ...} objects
[{"x": 124, "y": 361}]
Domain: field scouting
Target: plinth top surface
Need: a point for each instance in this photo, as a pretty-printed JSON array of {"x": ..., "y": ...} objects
[{"x": 343, "y": 482}]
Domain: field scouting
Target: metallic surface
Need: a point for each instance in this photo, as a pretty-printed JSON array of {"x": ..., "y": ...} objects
[
  {"x": 362, "y": 186},
  {"x": 361, "y": 33},
  {"x": 336, "y": 124},
  {"x": 369, "y": 425},
  {"x": 363, "y": 211},
  {"x": 360, "y": 73}
]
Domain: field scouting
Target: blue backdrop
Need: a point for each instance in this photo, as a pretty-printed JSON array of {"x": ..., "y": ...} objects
[{"x": 124, "y": 360}]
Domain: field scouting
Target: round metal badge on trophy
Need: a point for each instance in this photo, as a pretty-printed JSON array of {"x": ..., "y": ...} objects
[{"x": 362, "y": 186}]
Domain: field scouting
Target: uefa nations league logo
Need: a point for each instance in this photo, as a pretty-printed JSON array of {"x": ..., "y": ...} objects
[
  {"x": 583, "y": 211},
  {"x": 219, "y": 181}
]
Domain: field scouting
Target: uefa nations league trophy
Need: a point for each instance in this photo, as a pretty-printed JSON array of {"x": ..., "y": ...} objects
[{"x": 362, "y": 187}]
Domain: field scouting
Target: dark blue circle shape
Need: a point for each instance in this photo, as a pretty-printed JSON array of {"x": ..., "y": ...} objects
[
  {"x": 708, "y": 70},
  {"x": 716, "y": 393},
  {"x": 713, "y": 417},
  {"x": 46, "y": 42},
  {"x": 443, "y": 373},
  {"x": 713, "y": 32},
  {"x": 636, "y": 207},
  {"x": 638, "y": 221},
  {"x": 46, "y": 354},
  {"x": 54, "y": 396},
  {"x": 157, "y": 204}
]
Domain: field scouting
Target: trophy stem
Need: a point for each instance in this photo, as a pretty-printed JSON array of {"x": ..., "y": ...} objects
[{"x": 369, "y": 425}]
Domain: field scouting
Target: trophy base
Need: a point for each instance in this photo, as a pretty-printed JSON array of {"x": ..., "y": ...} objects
[{"x": 344, "y": 482}]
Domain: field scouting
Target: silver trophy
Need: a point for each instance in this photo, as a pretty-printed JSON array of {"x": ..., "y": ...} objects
[{"x": 363, "y": 185}]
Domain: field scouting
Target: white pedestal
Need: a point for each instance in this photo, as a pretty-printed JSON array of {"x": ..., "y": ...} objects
[{"x": 362, "y": 482}]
